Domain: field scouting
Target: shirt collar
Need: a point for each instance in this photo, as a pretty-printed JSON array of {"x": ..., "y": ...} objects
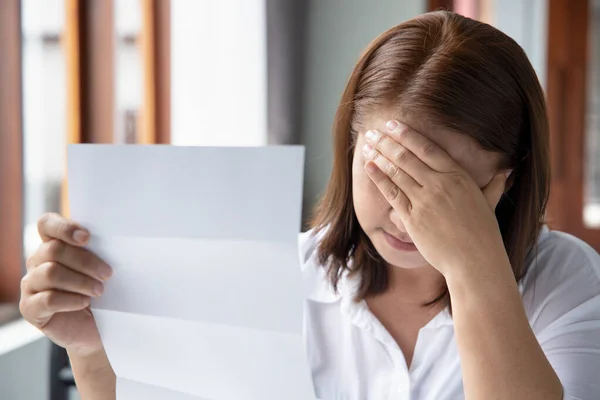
[
  {"x": 320, "y": 290},
  {"x": 360, "y": 315}
]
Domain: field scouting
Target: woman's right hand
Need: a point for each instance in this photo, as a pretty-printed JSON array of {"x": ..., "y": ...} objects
[{"x": 61, "y": 279}]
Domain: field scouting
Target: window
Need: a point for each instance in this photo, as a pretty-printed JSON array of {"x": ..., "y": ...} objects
[
  {"x": 44, "y": 113},
  {"x": 591, "y": 210},
  {"x": 65, "y": 79}
]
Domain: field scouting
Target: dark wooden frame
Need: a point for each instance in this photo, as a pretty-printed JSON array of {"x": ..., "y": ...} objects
[
  {"x": 97, "y": 82},
  {"x": 433, "y": 5},
  {"x": 568, "y": 23},
  {"x": 11, "y": 151},
  {"x": 162, "y": 53},
  {"x": 156, "y": 55}
]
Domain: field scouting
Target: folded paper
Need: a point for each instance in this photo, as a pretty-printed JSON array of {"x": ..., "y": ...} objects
[{"x": 206, "y": 298}]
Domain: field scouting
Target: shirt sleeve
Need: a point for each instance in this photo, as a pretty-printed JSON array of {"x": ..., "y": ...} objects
[
  {"x": 565, "y": 315},
  {"x": 572, "y": 345}
]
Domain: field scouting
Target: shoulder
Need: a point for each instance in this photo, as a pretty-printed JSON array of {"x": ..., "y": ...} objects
[
  {"x": 314, "y": 273},
  {"x": 308, "y": 243},
  {"x": 562, "y": 301},
  {"x": 563, "y": 279}
]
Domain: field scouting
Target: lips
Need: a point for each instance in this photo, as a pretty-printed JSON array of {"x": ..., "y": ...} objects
[
  {"x": 398, "y": 244},
  {"x": 404, "y": 239}
]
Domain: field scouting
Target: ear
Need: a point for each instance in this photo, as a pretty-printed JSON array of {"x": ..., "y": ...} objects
[{"x": 496, "y": 188}]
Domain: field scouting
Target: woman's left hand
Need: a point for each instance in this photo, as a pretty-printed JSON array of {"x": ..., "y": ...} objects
[{"x": 449, "y": 218}]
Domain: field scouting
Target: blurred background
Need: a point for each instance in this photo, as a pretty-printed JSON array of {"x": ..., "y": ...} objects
[{"x": 234, "y": 73}]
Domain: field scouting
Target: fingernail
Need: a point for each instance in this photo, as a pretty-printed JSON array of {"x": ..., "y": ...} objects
[
  {"x": 367, "y": 149},
  {"x": 81, "y": 236},
  {"x": 98, "y": 289},
  {"x": 105, "y": 272},
  {"x": 371, "y": 135},
  {"x": 370, "y": 167},
  {"x": 508, "y": 173},
  {"x": 391, "y": 125}
]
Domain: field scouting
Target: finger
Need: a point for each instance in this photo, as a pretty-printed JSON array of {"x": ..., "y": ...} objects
[
  {"x": 75, "y": 258},
  {"x": 396, "y": 219},
  {"x": 40, "y": 307},
  {"x": 494, "y": 190},
  {"x": 426, "y": 150},
  {"x": 400, "y": 156},
  {"x": 396, "y": 174},
  {"x": 53, "y": 276},
  {"x": 53, "y": 226},
  {"x": 390, "y": 191}
]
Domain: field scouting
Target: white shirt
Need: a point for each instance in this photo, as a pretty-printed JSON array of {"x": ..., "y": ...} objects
[{"x": 353, "y": 357}]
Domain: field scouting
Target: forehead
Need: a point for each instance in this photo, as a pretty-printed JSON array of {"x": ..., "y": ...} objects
[{"x": 479, "y": 163}]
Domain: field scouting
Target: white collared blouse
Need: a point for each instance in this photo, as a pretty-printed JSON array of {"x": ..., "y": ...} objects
[{"x": 353, "y": 357}]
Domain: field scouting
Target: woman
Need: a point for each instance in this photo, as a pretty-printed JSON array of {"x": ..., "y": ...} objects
[{"x": 433, "y": 276}]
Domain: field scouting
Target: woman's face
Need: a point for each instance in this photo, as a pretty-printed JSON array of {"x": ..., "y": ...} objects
[{"x": 372, "y": 209}]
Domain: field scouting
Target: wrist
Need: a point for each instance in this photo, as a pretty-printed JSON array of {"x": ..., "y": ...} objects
[
  {"x": 483, "y": 280},
  {"x": 89, "y": 361},
  {"x": 94, "y": 376}
]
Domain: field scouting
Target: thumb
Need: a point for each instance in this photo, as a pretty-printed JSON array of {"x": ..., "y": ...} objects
[{"x": 494, "y": 190}]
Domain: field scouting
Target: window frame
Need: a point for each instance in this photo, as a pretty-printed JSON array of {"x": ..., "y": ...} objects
[{"x": 11, "y": 151}]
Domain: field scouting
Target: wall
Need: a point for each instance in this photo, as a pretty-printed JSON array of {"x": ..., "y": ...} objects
[
  {"x": 24, "y": 363},
  {"x": 526, "y": 22},
  {"x": 24, "y": 372},
  {"x": 337, "y": 33}
]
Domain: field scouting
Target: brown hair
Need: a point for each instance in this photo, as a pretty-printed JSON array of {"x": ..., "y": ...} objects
[{"x": 463, "y": 75}]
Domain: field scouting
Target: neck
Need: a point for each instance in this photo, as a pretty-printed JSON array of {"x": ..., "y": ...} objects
[{"x": 416, "y": 286}]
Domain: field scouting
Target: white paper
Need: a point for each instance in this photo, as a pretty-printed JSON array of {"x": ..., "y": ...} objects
[{"x": 206, "y": 298}]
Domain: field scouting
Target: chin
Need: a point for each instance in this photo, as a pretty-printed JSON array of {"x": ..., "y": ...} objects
[{"x": 407, "y": 262}]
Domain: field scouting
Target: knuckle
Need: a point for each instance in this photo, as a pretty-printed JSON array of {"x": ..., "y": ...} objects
[
  {"x": 38, "y": 323},
  {"x": 404, "y": 131},
  {"x": 25, "y": 282},
  {"x": 428, "y": 149},
  {"x": 55, "y": 248},
  {"x": 393, "y": 171},
  {"x": 417, "y": 213},
  {"x": 393, "y": 193},
  {"x": 25, "y": 290},
  {"x": 453, "y": 182},
  {"x": 52, "y": 271},
  {"x": 376, "y": 157},
  {"x": 30, "y": 262},
  {"x": 438, "y": 190},
  {"x": 401, "y": 155},
  {"x": 65, "y": 228},
  {"x": 458, "y": 179},
  {"x": 23, "y": 307},
  {"x": 43, "y": 221},
  {"x": 49, "y": 299}
]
